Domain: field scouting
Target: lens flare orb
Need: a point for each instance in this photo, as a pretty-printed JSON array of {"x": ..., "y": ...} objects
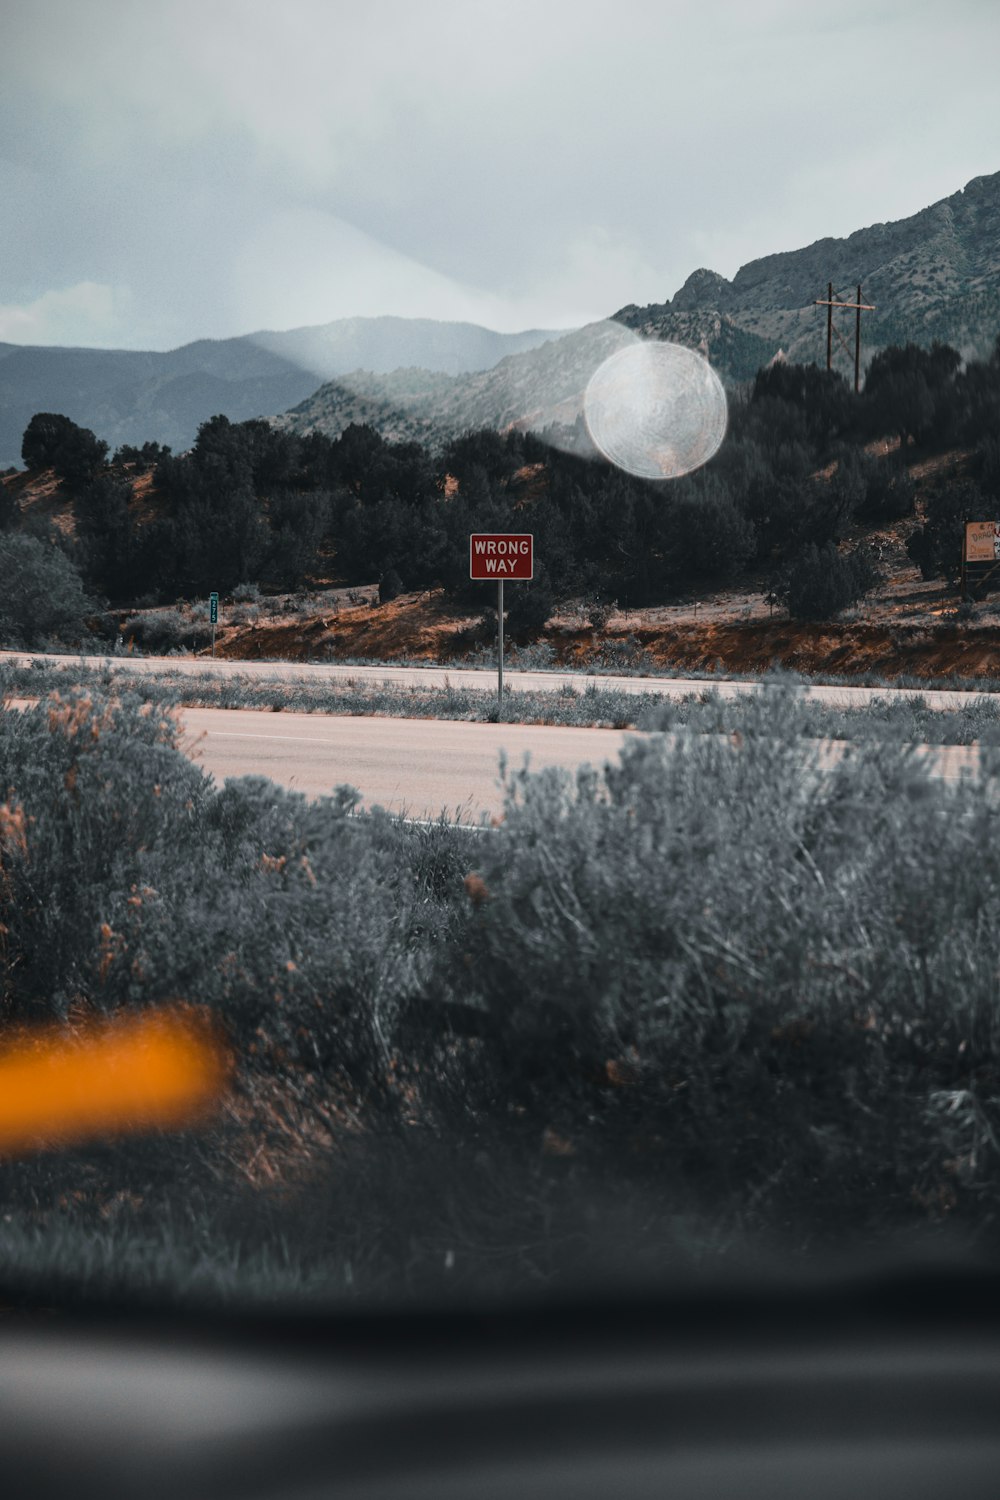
[{"x": 655, "y": 409}]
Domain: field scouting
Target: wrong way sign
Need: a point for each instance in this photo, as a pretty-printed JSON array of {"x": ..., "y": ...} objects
[{"x": 495, "y": 555}]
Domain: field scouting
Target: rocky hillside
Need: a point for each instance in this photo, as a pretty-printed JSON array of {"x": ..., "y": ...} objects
[
  {"x": 935, "y": 275},
  {"x": 532, "y": 390}
]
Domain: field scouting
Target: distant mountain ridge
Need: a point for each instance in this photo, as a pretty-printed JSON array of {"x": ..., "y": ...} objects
[
  {"x": 933, "y": 275},
  {"x": 134, "y": 396},
  {"x": 531, "y": 389}
]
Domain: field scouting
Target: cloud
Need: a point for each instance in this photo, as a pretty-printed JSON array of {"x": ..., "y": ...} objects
[
  {"x": 303, "y": 266},
  {"x": 238, "y": 165},
  {"x": 599, "y": 270},
  {"x": 85, "y": 314}
]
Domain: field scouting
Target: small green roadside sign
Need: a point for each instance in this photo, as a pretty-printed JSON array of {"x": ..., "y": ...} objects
[{"x": 213, "y": 609}]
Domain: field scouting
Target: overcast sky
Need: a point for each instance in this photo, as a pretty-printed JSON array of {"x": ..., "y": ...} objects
[{"x": 176, "y": 169}]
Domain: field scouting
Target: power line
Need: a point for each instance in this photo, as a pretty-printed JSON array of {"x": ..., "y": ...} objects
[{"x": 859, "y": 307}]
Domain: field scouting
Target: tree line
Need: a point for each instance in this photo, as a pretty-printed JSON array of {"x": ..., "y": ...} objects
[{"x": 252, "y": 502}]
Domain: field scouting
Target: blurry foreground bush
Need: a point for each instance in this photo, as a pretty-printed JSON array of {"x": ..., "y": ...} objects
[{"x": 729, "y": 987}]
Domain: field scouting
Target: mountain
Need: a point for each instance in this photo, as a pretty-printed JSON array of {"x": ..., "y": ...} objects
[
  {"x": 533, "y": 389},
  {"x": 129, "y": 396},
  {"x": 536, "y": 389},
  {"x": 933, "y": 276}
]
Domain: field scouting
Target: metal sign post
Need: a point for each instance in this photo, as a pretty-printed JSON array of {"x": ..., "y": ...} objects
[
  {"x": 500, "y": 641},
  {"x": 213, "y": 614},
  {"x": 501, "y": 555}
]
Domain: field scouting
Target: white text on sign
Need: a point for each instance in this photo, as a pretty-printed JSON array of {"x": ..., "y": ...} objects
[{"x": 500, "y": 555}]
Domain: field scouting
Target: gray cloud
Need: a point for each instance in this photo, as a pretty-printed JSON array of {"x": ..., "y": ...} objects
[{"x": 174, "y": 170}]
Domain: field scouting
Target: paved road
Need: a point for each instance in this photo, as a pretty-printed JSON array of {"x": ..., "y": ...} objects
[
  {"x": 421, "y": 767},
  {"x": 424, "y": 767},
  {"x": 485, "y": 680}
]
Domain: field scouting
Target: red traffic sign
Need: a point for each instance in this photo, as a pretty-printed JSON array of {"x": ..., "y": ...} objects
[{"x": 501, "y": 554}]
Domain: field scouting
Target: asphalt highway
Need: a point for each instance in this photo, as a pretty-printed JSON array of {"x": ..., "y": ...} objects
[
  {"x": 422, "y": 768},
  {"x": 419, "y": 767},
  {"x": 484, "y": 679},
  {"x": 426, "y": 768}
]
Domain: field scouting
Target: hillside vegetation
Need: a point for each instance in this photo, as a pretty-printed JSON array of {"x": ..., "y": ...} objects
[{"x": 808, "y": 472}]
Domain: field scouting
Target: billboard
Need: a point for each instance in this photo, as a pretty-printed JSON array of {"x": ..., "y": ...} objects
[{"x": 982, "y": 541}]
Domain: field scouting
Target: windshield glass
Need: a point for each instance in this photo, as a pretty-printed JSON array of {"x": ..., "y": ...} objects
[{"x": 499, "y": 737}]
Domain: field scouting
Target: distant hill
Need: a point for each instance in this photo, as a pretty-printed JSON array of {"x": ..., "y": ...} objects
[
  {"x": 534, "y": 389},
  {"x": 129, "y": 396},
  {"x": 539, "y": 388}
]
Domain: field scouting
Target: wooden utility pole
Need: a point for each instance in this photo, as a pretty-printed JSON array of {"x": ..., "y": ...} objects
[{"x": 830, "y": 302}]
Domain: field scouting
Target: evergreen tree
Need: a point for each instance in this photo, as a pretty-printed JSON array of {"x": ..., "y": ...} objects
[
  {"x": 52, "y": 441},
  {"x": 107, "y": 535}
]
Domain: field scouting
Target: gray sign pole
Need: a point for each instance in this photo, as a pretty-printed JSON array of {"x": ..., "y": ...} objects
[{"x": 500, "y": 640}]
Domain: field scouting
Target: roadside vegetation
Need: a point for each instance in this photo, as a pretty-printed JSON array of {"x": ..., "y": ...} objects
[
  {"x": 898, "y": 717},
  {"x": 719, "y": 1005}
]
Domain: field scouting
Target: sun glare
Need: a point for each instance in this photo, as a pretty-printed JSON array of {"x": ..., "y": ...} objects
[{"x": 656, "y": 409}]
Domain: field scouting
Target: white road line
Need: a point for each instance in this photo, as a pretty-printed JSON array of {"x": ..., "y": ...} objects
[{"x": 232, "y": 734}]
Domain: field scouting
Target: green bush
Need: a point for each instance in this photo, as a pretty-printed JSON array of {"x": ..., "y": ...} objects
[
  {"x": 890, "y": 493},
  {"x": 42, "y": 595},
  {"x": 822, "y": 581},
  {"x": 732, "y": 968},
  {"x": 528, "y": 608},
  {"x": 936, "y": 547},
  {"x": 390, "y": 585},
  {"x": 160, "y": 631},
  {"x": 128, "y": 879},
  {"x": 708, "y": 537},
  {"x": 52, "y": 441}
]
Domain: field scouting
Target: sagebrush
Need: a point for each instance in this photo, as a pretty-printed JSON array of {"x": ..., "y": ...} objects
[{"x": 722, "y": 997}]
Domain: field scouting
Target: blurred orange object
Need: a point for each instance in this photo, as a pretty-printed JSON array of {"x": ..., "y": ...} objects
[{"x": 162, "y": 1069}]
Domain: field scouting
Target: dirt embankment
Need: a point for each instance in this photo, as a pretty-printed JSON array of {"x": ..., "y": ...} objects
[
  {"x": 942, "y": 651},
  {"x": 416, "y": 626},
  {"x": 423, "y": 628}
]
